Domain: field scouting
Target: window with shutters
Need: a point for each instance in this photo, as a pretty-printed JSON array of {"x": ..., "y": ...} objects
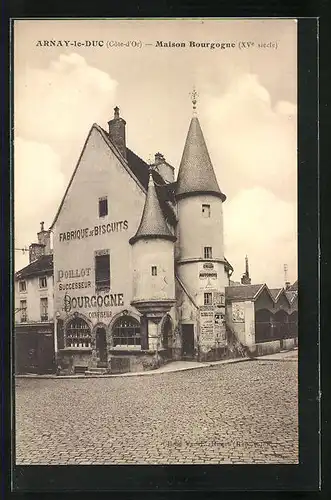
[
  {"x": 23, "y": 308},
  {"x": 44, "y": 309},
  {"x": 208, "y": 252},
  {"x": 208, "y": 298}
]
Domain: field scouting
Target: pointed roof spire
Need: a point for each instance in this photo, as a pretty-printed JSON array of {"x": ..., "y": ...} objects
[
  {"x": 196, "y": 173},
  {"x": 152, "y": 224},
  {"x": 246, "y": 266},
  {"x": 194, "y": 98}
]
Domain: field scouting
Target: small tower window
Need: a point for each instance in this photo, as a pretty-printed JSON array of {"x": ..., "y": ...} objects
[
  {"x": 206, "y": 211},
  {"x": 208, "y": 298},
  {"x": 208, "y": 252},
  {"x": 22, "y": 286},
  {"x": 154, "y": 271},
  {"x": 103, "y": 206}
]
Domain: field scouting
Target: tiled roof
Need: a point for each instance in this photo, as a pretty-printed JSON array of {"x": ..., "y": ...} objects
[
  {"x": 294, "y": 287},
  {"x": 196, "y": 172},
  {"x": 152, "y": 224},
  {"x": 290, "y": 294},
  {"x": 274, "y": 292},
  {"x": 242, "y": 292},
  {"x": 43, "y": 265},
  {"x": 165, "y": 192},
  {"x": 139, "y": 169}
]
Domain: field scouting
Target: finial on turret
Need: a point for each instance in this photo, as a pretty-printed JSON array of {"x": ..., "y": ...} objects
[{"x": 194, "y": 98}]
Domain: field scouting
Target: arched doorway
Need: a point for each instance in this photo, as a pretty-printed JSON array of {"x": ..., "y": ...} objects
[
  {"x": 77, "y": 333},
  {"x": 263, "y": 326},
  {"x": 166, "y": 333},
  {"x": 126, "y": 332},
  {"x": 101, "y": 346}
]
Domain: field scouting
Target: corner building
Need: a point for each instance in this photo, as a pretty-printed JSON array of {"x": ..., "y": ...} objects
[{"x": 139, "y": 266}]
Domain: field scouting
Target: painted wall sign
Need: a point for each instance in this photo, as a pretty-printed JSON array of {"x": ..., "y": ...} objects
[
  {"x": 74, "y": 285},
  {"x": 238, "y": 312},
  {"x": 208, "y": 265},
  {"x": 79, "y": 234},
  {"x": 73, "y": 273},
  {"x": 108, "y": 300}
]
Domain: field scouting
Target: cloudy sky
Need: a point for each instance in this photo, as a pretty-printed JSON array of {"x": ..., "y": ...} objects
[{"x": 247, "y": 110}]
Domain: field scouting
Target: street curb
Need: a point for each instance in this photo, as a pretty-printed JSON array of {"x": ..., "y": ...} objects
[
  {"x": 154, "y": 372},
  {"x": 134, "y": 374}
]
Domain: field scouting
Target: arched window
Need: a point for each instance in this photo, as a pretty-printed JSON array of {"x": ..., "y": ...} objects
[
  {"x": 126, "y": 332},
  {"x": 78, "y": 333}
]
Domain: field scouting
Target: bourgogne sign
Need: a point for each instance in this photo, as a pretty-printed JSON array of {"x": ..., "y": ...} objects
[
  {"x": 83, "y": 233},
  {"x": 86, "y": 302}
]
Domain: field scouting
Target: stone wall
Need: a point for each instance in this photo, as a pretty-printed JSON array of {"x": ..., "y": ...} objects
[{"x": 264, "y": 348}]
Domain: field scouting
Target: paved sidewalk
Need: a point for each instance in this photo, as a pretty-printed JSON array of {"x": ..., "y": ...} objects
[{"x": 174, "y": 366}]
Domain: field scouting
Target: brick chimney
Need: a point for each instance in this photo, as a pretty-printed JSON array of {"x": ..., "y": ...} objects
[
  {"x": 44, "y": 238},
  {"x": 163, "y": 168},
  {"x": 117, "y": 132},
  {"x": 43, "y": 247}
]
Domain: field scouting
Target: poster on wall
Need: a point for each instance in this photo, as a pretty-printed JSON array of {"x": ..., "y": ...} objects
[
  {"x": 238, "y": 312},
  {"x": 207, "y": 275}
]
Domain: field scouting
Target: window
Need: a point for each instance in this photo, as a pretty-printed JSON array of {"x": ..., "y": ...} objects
[
  {"x": 207, "y": 253},
  {"x": 22, "y": 286},
  {"x": 126, "y": 332},
  {"x": 43, "y": 282},
  {"x": 102, "y": 270},
  {"x": 23, "y": 308},
  {"x": 154, "y": 271},
  {"x": 78, "y": 333},
  {"x": 208, "y": 298},
  {"x": 44, "y": 309},
  {"x": 206, "y": 211},
  {"x": 103, "y": 206}
]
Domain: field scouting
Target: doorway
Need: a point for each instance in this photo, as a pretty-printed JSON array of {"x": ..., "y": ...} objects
[
  {"x": 101, "y": 346},
  {"x": 167, "y": 336},
  {"x": 188, "y": 341}
]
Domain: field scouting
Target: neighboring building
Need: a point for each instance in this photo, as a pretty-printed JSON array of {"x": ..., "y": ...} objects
[
  {"x": 263, "y": 319},
  {"x": 140, "y": 275},
  {"x": 34, "y": 326}
]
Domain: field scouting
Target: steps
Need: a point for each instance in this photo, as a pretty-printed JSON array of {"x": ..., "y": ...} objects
[{"x": 96, "y": 371}]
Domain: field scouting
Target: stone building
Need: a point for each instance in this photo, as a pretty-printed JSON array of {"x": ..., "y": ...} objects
[
  {"x": 34, "y": 294},
  {"x": 140, "y": 275}
]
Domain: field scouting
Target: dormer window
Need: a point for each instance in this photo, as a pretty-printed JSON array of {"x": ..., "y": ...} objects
[
  {"x": 22, "y": 286},
  {"x": 206, "y": 211},
  {"x": 103, "y": 206}
]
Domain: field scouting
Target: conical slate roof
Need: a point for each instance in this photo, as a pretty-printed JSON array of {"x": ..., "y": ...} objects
[
  {"x": 196, "y": 173},
  {"x": 152, "y": 224}
]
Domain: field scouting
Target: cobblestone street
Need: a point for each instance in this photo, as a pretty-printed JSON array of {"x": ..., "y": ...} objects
[{"x": 237, "y": 413}]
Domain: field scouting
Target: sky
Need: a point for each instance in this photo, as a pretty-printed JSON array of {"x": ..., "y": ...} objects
[{"x": 247, "y": 108}]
